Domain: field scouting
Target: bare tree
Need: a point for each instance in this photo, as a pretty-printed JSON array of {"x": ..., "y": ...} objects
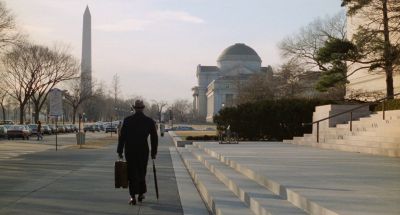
[
  {"x": 3, "y": 97},
  {"x": 20, "y": 74},
  {"x": 257, "y": 87},
  {"x": 180, "y": 109},
  {"x": 159, "y": 105},
  {"x": 31, "y": 71},
  {"x": 287, "y": 80},
  {"x": 56, "y": 65},
  {"x": 303, "y": 47},
  {"x": 74, "y": 96},
  {"x": 8, "y": 32}
]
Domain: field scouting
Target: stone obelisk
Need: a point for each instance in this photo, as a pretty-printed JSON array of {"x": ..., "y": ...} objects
[{"x": 86, "y": 61}]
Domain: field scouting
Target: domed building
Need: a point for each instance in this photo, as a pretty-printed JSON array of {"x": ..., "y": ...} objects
[{"x": 217, "y": 85}]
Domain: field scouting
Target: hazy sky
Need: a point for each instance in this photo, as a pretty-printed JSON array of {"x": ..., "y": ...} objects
[{"x": 155, "y": 45}]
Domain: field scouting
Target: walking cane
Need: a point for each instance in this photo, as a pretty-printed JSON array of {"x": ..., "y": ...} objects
[{"x": 155, "y": 178}]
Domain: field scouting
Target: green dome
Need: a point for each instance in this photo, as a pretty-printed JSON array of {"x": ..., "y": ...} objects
[{"x": 239, "y": 51}]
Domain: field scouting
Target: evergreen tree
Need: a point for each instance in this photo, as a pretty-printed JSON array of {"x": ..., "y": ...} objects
[{"x": 378, "y": 38}]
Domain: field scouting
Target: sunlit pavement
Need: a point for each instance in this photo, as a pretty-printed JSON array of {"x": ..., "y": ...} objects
[
  {"x": 16, "y": 147},
  {"x": 78, "y": 181}
]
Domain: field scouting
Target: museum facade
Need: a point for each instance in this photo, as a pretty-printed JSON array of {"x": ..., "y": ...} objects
[{"x": 217, "y": 85}]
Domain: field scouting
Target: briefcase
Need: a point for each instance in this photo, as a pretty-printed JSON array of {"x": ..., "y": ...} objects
[{"x": 121, "y": 174}]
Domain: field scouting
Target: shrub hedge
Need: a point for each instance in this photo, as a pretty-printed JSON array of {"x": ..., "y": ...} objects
[
  {"x": 205, "y": 137},
  {"x": 390, "y": 105},
  {"x": 269, "y": 119}
]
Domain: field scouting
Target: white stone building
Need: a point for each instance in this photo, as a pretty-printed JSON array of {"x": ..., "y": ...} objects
[{"x": 217, "y": 85}]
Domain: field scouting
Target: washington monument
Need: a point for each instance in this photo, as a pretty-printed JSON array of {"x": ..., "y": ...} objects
[{"x": 86, "y": 62}]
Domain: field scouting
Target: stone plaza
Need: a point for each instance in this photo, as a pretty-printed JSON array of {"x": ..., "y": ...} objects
[{"x": 203, "y": 178}]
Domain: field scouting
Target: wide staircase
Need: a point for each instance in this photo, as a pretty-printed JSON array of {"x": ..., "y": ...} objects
[
  {"x": 370, "y": 135},
  {"x": 226, "y": 188},
  {"x": 264, "y": 178}
]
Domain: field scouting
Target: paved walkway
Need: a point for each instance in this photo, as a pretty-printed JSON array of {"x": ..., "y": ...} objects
[{"x": 73, "y": 181}]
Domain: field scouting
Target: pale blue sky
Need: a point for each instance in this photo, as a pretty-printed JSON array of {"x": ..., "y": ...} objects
[{"x": 155, "y": 45}]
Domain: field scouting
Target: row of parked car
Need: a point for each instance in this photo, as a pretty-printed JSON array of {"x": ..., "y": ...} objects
[
  {"x": 25, "y": 131},
  {"x": 106, "y": 127}
]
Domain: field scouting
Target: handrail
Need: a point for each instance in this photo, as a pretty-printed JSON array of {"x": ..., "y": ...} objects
[{"x": 351, "y": 113}]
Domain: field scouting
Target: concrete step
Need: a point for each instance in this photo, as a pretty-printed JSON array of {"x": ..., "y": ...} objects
[
  {"x": 296, "y": 139},
  {"x": 394, "y": 152},
  {"x": 260, "y": 200},
  {"x": 362, "y": 136},
  {"x": 394, "y": 142},
  {"x": 371, "y": 124},
  {"x": 308, "y": 135},
  {"x": 365, "y": 143},
  {"x": 371, "y": 135},
  {"x": 335, "y": 131},
  {"x": 287, "y": 141},
  {"x": 374, "y": 148},
  {"x": 191, "y": 201},
  {"x": 275, "y": 187},
  {"x": 217, "y": 196},
  {"x": 395, "y": 133},
  {"x": 388, "y": 131},
  {"x": 303, "y": 140},
  {"x": 391, "y": 114}
]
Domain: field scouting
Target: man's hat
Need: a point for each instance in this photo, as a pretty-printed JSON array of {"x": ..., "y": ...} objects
[{"x": 139, "y": 104}]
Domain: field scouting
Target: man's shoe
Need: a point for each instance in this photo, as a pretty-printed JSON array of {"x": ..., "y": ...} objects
[
  {"x": 132, "y": 201},
  {"x": 141, "y": 197}
]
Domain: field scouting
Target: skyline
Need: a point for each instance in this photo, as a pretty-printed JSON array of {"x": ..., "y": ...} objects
[{"x": 156, "y": 45}]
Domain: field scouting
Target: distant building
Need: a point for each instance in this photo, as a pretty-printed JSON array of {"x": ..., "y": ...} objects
[
  {"x": 217, "y": 84},
  {"x": 303, "y": 86}
]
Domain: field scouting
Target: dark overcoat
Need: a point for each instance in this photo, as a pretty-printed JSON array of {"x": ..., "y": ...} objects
[{"x": 133, "y": 141}]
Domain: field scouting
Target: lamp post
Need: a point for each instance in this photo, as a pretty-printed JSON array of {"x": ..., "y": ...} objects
[
  {"x": 221, "y": 132},
  {"x": 171, "y": 118},
  {"x": 79, "y": 122},
  {"x": 80, "y": 136}
]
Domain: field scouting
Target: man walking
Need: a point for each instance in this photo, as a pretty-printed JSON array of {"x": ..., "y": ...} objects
[
  {"x": 39, "y": 131},
  {"x": 133, "y": 141}
]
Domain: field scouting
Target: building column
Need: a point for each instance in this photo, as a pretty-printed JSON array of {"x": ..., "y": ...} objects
[{"x": 202, "y": 103}]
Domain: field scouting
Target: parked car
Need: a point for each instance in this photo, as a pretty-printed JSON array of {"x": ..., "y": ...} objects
[
  {"x": 89, "y": 128},
  {"x": 71, "y": 128},
  {"x": 18, "y": 131},
  {"x": 111, "y": 128},
  {"x": 33, "y": 128},
  {"x": 46, "y": 129},
  {"x": 7, "y": 122},
  {"x": 60, "y": 129},
  {"x": 184, "y": 128},
  {"x": 29, "y": 129},
  {"x": 68, "y": 128},
  {"x": 96, "y": 127},
  {"x": 74, "y": 128},
  {"x": 3, "y": 131},
  {"x": 180, "y": 128},
  {"x": 53, "y": 128}
]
